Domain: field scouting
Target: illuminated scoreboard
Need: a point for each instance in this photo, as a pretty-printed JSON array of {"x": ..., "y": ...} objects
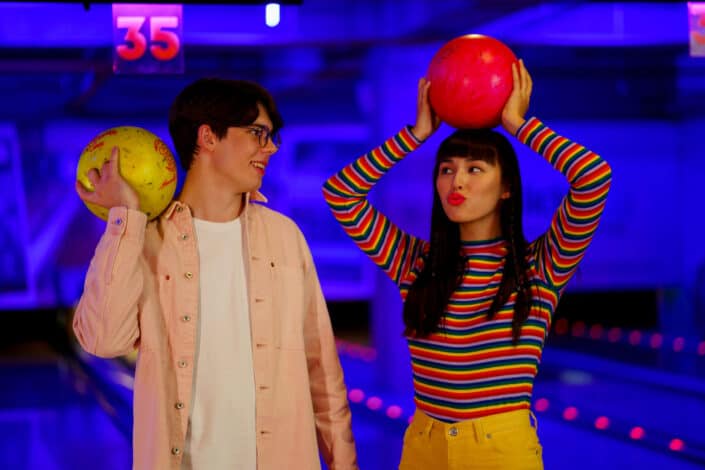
[{"x": 147, "y": 39}]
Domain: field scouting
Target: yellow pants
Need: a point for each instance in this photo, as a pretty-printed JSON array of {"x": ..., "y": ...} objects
[{"x": 505, "y": 441}]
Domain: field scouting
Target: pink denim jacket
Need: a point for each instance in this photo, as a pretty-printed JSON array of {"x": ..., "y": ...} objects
[{"x": 142, "y": 291}]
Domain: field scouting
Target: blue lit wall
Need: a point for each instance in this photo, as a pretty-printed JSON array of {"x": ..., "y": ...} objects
[{"x": 344, "y": 83}]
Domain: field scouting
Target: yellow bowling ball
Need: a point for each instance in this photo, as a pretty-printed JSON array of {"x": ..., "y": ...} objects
[{"x": 146, "y": 163}]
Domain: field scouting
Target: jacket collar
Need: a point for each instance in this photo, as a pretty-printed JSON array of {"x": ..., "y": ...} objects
[{"x": 178, "y": 206}]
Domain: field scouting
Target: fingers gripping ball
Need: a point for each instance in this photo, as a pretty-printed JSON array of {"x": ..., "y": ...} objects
[
  {"x": 471, "y": 80},
  {"x": 146, "y": 164}
]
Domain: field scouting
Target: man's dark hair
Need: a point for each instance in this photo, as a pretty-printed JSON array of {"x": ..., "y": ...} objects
[{"x": 219, "y": 103}]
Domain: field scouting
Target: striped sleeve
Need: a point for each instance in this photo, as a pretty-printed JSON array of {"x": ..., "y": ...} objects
[
  {"x": 562, "y": 247},
  {"x": 346, "y": 193}
]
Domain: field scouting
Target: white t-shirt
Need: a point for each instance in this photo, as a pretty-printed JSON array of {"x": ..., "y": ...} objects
[{"x": 221, "y": 431}]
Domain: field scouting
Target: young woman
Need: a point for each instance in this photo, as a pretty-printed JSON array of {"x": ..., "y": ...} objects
[{"x": 478, "y": 299}]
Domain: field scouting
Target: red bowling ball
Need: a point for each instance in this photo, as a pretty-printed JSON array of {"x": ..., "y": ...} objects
[{"x": 471, "y": 80}]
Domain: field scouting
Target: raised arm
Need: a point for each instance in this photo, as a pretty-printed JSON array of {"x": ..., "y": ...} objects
[
  {"x": 560, "y": 250},
  {"x": 346, "y": 193},
  {"x": 563, "y": 246},
  {"x": 106, "y": 319}
]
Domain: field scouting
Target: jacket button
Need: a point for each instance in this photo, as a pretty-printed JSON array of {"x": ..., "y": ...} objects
[
  {"x": 186, "y": 318},
  {"x": 175, "y": 451},
  {"x": 182, "y": 364},
  {"x": 184, "y": 236},
  {"x": 179, "y": 405},
  {"x": 188, "y": 274}
]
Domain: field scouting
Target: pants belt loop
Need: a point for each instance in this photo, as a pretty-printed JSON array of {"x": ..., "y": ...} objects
[
  {"x": 479, "y": 431},
  {"x": 536, "y": 421},
  {"x": 427, "y": 427}
]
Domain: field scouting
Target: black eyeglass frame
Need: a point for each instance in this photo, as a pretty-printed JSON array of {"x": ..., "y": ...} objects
[{"x": 263, "y": 134}]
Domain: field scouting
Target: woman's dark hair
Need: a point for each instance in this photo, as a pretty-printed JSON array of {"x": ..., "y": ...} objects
[
  {"x": 442, "y": 273},
  {"x": 219, "y": 103}
]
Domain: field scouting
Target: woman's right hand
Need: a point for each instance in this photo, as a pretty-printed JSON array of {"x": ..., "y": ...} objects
[
  {"x": 427, "y": 122},
  {"x": 109, "y": 187}
]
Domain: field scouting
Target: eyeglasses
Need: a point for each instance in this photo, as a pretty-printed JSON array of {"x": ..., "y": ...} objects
[{"x": 263, "y": 134}]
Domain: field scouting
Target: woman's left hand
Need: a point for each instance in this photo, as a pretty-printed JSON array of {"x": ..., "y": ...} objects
[{"x": 518, "y": 103}]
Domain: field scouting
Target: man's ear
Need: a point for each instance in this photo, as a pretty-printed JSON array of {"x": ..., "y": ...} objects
[{"x": 206, "y": 137}]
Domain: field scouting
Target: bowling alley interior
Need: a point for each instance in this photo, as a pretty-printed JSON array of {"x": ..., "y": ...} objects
[{"x": 621, "y": 380}]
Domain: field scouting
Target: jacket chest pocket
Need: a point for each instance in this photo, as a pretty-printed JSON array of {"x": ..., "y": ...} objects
[
  {"x": 279, "y": 305},
  {"x": 157, "y": 300}
]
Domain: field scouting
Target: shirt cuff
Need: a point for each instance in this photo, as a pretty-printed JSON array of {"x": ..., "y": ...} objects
[
  {"x": 525, "y": 130},
  {"x": 127, "y": 222},
  {"x": 406, "y": 131}
]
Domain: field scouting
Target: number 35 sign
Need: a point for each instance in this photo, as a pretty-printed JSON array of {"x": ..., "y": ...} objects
[{"x": 147, "y": 39}]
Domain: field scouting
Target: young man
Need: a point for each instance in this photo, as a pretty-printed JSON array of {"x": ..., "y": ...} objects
[{"x": 237, "y": 364}]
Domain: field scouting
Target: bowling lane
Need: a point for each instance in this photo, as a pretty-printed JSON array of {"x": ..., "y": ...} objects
[
  {"x": 53, "y": 417},
  {"x": 665, "y": 404}
]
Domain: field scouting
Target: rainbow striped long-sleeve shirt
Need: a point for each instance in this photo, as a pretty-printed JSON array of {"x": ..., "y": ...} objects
[{"x": 469, "y": 368}]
